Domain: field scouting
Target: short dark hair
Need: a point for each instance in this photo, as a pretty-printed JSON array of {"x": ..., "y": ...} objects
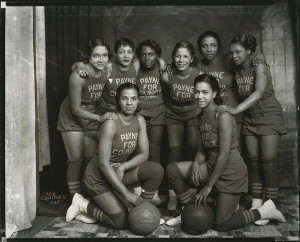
[
  {"x": 124, "y": 42},
  {"x": 208, "y": 34},
  {"x": 213, "y": 83},
  {"x": 184, "y": 44},
  {"x": 246, "y": 40},
  {"x": 152, "y": 44},
  {"x": 91, "y": 46},
  {"x": 122, "y": 87}
]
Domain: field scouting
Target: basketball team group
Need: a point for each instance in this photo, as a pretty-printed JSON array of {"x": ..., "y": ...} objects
[{"x": 118, "y": 108}]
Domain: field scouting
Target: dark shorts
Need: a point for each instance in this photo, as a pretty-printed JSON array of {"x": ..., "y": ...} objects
[
  {"x": 95, "y": 180},
  {"x": 252, "y": 129},
  {"x": 186, "y": 123},
  {"x": 68, "y": 122},
  {"x": 159, "y": 120}
]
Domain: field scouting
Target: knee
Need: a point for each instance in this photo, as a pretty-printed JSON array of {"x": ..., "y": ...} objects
[
  {"x": 173, "y": 172},
  {"x": 120, "y": 220},
  {"x": 156, "y": 169},
  {"x": 150, "y": 169}
]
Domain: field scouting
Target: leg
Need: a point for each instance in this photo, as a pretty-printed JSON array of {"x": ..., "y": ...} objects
[
  {"x": 155, "y": 135},
  {"x": 150, "y": 175},
  {"x": 190, "y": 143},
  {"x": 90, "y": 141},
  {"x": 225, "y": 216},
  {"x": 238, "y": 135},
  {"x": 177, "y": 174},
  {"x": 252, "y": 145},
  {"x": 227, "y": 219},
  {"x": 73, "y": 142},
  {"x": 109, "y": 210},
  {"x": 269, "y": 148},
  {"x": 175, "y": 136}
]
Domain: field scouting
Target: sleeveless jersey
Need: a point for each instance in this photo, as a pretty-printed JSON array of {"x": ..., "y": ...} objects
[
  {"x": 125, "y": 139},
  {"x": 181, "y": 99},
  {"x": 92, "y": 89},
  {"x": 268, "y": 110},
  {"x": 234, "y": 178},
  {"x": 115, "y": 80},
  {"x": 228, "y": 90},
  {"x": 151, "y": 96}
]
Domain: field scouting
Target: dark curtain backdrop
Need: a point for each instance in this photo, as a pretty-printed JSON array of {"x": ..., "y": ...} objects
[{"x": 69, "y": 28}]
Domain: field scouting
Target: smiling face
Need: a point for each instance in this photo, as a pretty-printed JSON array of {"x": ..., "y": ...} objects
[
  {"x": 99, "y": 58},
  {"x": 128, "y": 101},
  {"x": 125, "y": 55},
  {"x": 209, "y": 47},
  {"x": 183, "y": 59},
  {"x": 204, "y": 94},
  {"x": 238, "y": 54},
  {"x": 148, "y": 57}
]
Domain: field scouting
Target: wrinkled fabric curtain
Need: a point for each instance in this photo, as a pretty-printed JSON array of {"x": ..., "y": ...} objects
[{"x": 25, "y": 118}]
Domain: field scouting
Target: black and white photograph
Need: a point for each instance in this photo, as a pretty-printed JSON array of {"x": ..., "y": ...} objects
[{"x": 149, "y": 119}]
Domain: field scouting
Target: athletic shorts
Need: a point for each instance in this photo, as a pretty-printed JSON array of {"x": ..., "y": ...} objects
[
  {"x": 186, "y": 123},
  {"x": 249, "y": 128},
  {"x": 95, "y": 180},
  {"x": 159, "y": 120},
  {"x": 68, "y": 122}
]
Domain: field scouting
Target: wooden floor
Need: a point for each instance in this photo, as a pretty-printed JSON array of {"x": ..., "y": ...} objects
[{"x": 55, "y": 227}]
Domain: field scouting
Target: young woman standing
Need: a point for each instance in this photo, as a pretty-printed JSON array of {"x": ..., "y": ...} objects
[
  {"x": 263, "y": 119},
  {"x": 77, "y": 121},
  {"x": 181, "y": 108}
]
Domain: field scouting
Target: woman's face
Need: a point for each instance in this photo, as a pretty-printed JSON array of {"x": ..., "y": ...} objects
[
  {"x": 148, "y": 57},
  {"x": 238, "y": 54},
  {"x": 183, "y": 59},
  {"x": 204, "y": 94},
  {"x": 129, "y": 101},
  {"x": 99, "y": 57},
  {"x": 209, "y": 47},
  {"x": 125, "y": 55}
]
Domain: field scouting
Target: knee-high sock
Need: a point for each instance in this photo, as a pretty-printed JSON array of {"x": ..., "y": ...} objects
[
  {"x": 84, "y": 165},
  {"x": 150, "y": 174},
  {"x": 270, "y": 172},
  {"x": 178, "y": 183},
  {"x": 256, "y": 178},
  {"x": 154, "y": 151},
  {"x": 73, "y": 175},
  {"x": 115, "y": 221},
  {"x": 190, "y": 153},
  {"x": 238, "y": 220},
  {"x": 175, "y": 154}
]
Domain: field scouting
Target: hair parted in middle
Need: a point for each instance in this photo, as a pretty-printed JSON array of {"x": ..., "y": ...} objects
[
  {"x": 213, "y": 83},
  {"x": 122, "y": 87}
]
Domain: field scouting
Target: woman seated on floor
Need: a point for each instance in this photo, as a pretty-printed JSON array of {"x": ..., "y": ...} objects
[{"x": 110, "y": 171}]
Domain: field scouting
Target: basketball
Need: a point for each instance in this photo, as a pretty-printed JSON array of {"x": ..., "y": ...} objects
[
  {"x": 197, "y": 219},
  {"x": 144, "y": 218}
]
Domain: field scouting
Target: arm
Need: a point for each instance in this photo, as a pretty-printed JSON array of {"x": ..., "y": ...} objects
[
  {"x": 81, "y": 69},
  {"x": 261, "y": 71},
  {"x": 75, "y": 87},
  {"x": 257, "y": 58},
  {"x": 143, "y": 147},
  {"x": 107, "y": 133},
  {"x": 164, "y": 78},
  {"x": 200, "y": 157},
  {"x": 136, "y": 63},
  {"x": 162, "y": 65},
  {"x": 225, "y": 133}
]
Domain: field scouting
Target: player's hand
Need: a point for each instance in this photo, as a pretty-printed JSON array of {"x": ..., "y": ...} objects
[
  {"x": 82, "y": 72},
  {"x": 133, "y": 198},
  {"x": 107, "y": 116},
  {"x": 226, "y": 108},
  {"x": 196, "y": 174},
  {"x": 202, "y": 195},
  {"x": 259, "y": 58},
  {"x": 120, "y": 172}
]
